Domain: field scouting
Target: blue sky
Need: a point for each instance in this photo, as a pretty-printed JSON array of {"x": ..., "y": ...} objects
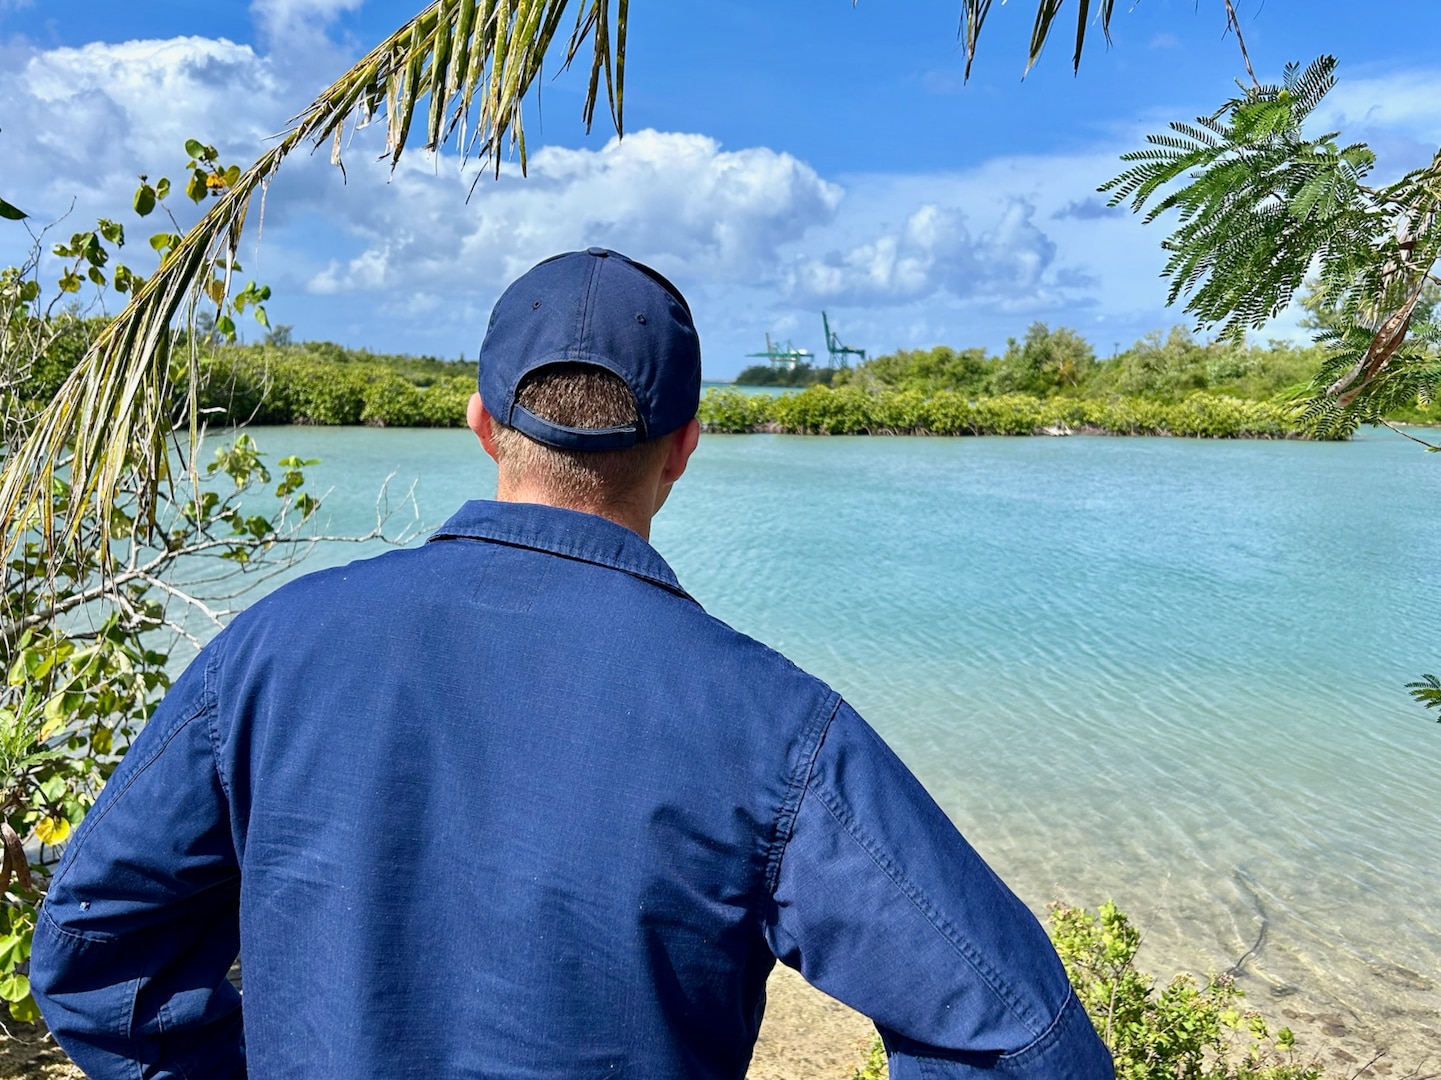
[{"x": 780, "y": 159}]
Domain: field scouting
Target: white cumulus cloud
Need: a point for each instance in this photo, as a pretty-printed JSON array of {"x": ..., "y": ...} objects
[
  {"x": 679, "y": 200},
  {"x": 297, "y": 28},
  {"x": 81, "y": 123},
  {"x": 933, "y": 252},
  {"x": 758, "y": 239}
]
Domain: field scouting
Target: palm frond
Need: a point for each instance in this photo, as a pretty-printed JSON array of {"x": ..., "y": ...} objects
[
  {"x": 1427, "y": 690},
  {"x": 475, "y": 60},
  {"x": 973, "y": 17},
  {"x": 1041, "y": 30}
]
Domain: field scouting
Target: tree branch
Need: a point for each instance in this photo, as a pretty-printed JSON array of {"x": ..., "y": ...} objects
[
  {"x": 1234, "y": 24},
  {"x": 1405, "y": 435}
]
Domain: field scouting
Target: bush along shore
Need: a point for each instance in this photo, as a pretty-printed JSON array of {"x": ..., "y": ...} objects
[
  {"x": 1049, "y": 382},
  {"x": 303, "y": 385},
  {"x": 819, "y": 410},
  {"x": 327, "y": 385}
]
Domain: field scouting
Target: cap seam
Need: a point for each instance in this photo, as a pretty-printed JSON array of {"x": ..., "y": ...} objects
[{"x": 587, "y": 306}]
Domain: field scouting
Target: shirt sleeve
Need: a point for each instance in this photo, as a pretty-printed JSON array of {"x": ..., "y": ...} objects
[
  {"x": 140, "y": 924},
  {"x": 882, "y": 904}
]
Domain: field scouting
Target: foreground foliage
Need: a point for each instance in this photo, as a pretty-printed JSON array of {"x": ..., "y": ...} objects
[
  {"x": 86, "y": 646},
  {"x": 460, "y": 69},
  {"x": 88, "y": 628},
  {"x": 1262, "y": 204},
  {"x": 1180, "y": 1031}
]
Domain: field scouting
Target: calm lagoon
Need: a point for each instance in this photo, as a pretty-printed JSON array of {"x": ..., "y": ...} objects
[{"x": 1163, "y": 671}]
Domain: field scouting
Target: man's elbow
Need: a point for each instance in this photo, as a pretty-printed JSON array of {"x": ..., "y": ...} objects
[{"x": 1069, "y": 1049}]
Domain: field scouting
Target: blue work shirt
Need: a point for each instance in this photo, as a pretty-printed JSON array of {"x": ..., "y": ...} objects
[{"x": 512, "y": 805}]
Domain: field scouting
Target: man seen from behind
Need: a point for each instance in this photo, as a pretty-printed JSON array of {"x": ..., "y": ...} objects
[{"x": 512, "y": 805}]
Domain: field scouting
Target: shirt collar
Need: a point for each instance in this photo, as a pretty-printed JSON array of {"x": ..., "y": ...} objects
[{"x": 568, "y": 533}]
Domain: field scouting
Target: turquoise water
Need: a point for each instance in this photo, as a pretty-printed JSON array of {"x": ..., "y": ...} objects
[{"x": 1164, "y": 671}]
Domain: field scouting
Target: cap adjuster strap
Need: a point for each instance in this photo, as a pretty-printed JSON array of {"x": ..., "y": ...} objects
[{"x": 573, "y": 438}]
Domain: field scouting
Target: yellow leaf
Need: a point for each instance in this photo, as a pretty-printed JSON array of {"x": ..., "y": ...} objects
[{"x": 52, "y": 830}]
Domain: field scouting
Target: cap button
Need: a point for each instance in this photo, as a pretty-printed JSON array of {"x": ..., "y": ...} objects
[{"x": 598, "y": 252}]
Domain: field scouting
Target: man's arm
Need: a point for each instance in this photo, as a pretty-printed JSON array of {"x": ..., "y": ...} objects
[
  {"x": 881, "y": 903},
  {"x": 140, "y": 925}
]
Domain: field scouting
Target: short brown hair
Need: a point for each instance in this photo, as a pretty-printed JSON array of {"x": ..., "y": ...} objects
[{"x": 577, "y": 395}]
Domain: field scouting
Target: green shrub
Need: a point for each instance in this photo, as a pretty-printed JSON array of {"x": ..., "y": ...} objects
[
  {"x": 391, "y": 401},
  {"x": 323, "y": 384},
  {"x": 802, "y": 374},
  {"x": 1181, "y": 1031},
  {"x": 853, "y": 410},
  {"x": 730, "y": 412}
]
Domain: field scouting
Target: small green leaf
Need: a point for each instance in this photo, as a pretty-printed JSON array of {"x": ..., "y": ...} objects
[
  {"x": 194, "y": 148},
  {"x": 70, "y": 282},
  {"x": 144, "y": 200},
  {"x": 96, "y": 276},
  {"x": 195, "y": 188},
  {"x": 232, "y": 175},
  {"x": 25, "y": 1010},
  {"x": 14, "y": 987},
  {"x": 162, "y": 189},
  {"x": 11, "y": 213}
]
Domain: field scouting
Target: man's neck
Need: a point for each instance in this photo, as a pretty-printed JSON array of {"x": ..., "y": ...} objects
[{"x": 633, "y": 517}]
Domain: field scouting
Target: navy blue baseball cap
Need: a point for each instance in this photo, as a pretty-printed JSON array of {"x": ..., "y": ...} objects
[{"x": 593, "y": 307}]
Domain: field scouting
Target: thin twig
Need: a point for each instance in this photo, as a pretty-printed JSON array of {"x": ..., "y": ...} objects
[
  {"x": 1362, "y": 1070},
  {"x": 1234, "y": 24},
  {"x": 193, "y": 601},
  {"x": 1406, "y": 435}
]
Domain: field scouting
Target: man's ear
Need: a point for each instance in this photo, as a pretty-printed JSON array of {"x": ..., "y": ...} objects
[
  {"x": 682, "y": 446},
  {"x": 480, "y": 422}
]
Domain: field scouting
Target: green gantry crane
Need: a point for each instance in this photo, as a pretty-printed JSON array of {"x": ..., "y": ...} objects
[
  {"x": 787, "y": 357},
  {"x": 838, "y": 351}
]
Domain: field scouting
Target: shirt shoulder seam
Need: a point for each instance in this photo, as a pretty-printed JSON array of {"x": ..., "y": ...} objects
[
  {"x": 209, "y": 701},
  {"x": 814, "y": 735},
  {"x": 74, "y": 852}
]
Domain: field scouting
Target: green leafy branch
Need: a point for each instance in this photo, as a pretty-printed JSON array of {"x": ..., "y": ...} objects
[
  {"x": 1261, "y": 206},
  {"x": 1427, "y": 690}
]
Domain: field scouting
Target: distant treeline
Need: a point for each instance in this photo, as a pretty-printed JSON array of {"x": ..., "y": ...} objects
[
  {"x": 1046, "y": 363},
  {"x": 322, "y": 383},
  {"x": 851, "y": 410},
  {"x": 802, "y": 374},
  {"x": 1048, "y": 380}
]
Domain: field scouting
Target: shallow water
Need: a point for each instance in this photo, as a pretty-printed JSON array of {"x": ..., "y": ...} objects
[{"x": 1168, "y": 672}]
